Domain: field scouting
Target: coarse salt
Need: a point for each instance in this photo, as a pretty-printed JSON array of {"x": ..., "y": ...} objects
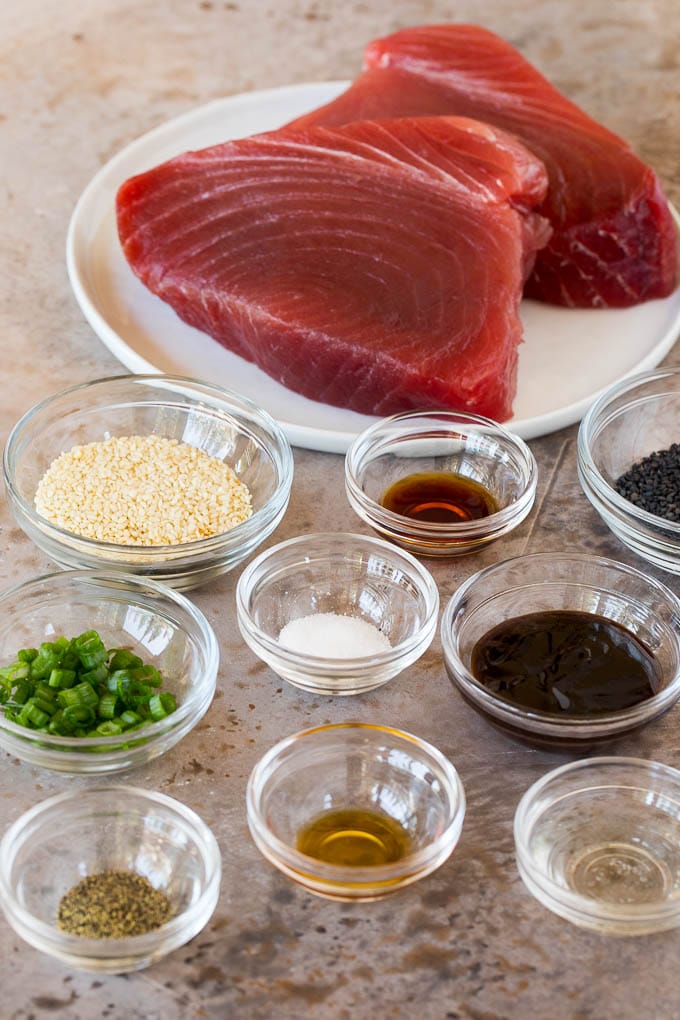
[{"x": 333, "y": 636}]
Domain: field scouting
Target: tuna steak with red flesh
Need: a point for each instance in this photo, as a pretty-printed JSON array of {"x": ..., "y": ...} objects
[
  {"x": 378, "y": 267},
  {"x": 614, "y": 241}
]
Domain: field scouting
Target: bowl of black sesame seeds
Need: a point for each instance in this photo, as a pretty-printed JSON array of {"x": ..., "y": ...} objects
[
  {"x": 109, "y": 878},
  {"x": 160, "y": 476},
  {"x": 629, "y": 463}
]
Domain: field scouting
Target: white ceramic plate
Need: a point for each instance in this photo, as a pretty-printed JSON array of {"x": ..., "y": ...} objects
[{"x": 568, "y": 357}]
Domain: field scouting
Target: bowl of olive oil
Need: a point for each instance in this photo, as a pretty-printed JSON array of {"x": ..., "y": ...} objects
[{"x": 355, "y": 811}]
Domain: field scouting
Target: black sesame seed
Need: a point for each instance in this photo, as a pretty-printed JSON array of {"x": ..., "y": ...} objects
[{"x": 653, "y": 483}]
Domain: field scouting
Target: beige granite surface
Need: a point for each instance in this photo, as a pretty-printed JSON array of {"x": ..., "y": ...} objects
[{"x": 78, "y": 80}]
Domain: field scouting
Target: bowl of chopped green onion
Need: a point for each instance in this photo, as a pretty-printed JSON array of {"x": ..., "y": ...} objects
[
  {"x": 110, "y": 878},
  {"x": 100, "y": 671}
]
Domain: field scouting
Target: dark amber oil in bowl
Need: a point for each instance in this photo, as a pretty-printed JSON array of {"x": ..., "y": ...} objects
[
  {"x": 355, "y": 838},
  {"x": 440, "y": 497},
  {"x": 565, "y": 662}
]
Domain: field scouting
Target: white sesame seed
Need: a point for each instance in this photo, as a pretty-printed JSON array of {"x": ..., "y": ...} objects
[{"x": 142, "y": 490}]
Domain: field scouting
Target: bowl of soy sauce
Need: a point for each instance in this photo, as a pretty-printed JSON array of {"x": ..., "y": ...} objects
[{"x": 564, "y": 650}]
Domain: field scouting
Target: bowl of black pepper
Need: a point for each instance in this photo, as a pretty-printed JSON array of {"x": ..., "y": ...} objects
[
  {"x": 564, "y": 650},
  {"x": 629, "y": 463},
  {"x": 109, "y": 879}
]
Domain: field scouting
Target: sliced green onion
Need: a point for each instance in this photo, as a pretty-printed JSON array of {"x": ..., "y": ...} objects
[
  {"x": 82, "y": 715},
  {"x": 81, "y": 694},
  {"x": 32, "y": 716},
  {"x": 147, "y": 675},
  {"x": 98, "y": 675},
  {"x": 109, "y": 728},
  {"x": 108, "y": 705},
  {"x": 45, "y": 661},
  {"x": 119, "y": 680},
  {"x": 21, "y": 671},
  {"x": 161, "y": 705},
  {"x": 62, "y": 678},
  {"x": 121, "y": 658},
  {"x": 45, "y": 705},
  {"x": 67, "y": 687},
  {"x": 130, "y": 718},
  {"x": 21, "y": 693},
  {"x": 90, "y": 649}
]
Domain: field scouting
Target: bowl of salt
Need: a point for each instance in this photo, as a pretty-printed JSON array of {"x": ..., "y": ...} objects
[{"x": 337, "y": 613}]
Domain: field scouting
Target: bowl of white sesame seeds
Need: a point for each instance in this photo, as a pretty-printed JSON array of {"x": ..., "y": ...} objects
[{"x": 159, "y": 476}]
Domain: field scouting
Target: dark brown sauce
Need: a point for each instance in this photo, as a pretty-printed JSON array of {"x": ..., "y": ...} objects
[
  {"x": 566, "y": 662},
  {"x": 440, "y": 497}
]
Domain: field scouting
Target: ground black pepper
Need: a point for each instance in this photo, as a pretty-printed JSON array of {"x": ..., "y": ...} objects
[
  {"x": 653, "y": 483},
  {"x": 113, "y": 905}
]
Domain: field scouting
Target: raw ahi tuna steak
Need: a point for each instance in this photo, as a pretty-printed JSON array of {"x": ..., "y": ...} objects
[
  {"x": 614, "y": 242},
  {"x": 377, "y": 267}
]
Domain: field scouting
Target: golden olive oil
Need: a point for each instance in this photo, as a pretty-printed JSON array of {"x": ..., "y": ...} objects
[{"x": 355, "y": 838}]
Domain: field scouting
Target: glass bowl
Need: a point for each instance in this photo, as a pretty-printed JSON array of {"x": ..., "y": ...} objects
[
  {"x": 353, "y": 766},
  {"x": 631, "y": 420},
  {"x": 423, "y": 442},
  {"x": 55, "y": 844},
  {"x": 222, "y": 424},
  {"x": 598, "y": 842},
  {"x": 562, "y": 581},
  {"x": 344, "y": 575},
  {"x": 153, "y": 621}
]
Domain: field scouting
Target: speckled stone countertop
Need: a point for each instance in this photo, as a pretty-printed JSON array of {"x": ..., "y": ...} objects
[{"x": 81, "y": 78}]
